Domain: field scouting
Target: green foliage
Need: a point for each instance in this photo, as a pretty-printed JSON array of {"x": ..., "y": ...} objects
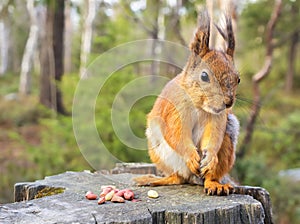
[
  {"x": 21, "y": 111},
  {"x": 275, "y": 147},
  {"x": 137, "y": 117},
  {"x": 9, "y": 83},
  {"x": 57, "y": 151},
  {"x": 255, "y": 17},
  {"x": 285, "y": 196}
]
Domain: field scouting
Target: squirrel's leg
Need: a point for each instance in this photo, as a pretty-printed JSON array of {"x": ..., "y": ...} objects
[
  {"x": 226, "y": 156},
  {"x": 211, "y": 142},
  {"x": 151, "y": 180},
  {"x": 171, "y": 147},
  {"x": 169, "y": 169}
]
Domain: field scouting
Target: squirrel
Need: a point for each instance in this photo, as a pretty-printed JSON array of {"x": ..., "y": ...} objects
[{"x": 191, "y": 129}]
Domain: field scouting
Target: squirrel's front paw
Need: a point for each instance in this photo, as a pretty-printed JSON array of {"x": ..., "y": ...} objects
[
  {"x": 208, "y": 162},
  {"x": 193, "y": 162}
]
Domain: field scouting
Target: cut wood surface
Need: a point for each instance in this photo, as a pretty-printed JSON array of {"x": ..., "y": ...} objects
[{"x": 175, "y": 204}]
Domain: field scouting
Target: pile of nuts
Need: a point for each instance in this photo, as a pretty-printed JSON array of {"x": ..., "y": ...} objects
[{"x": 111, "y": 193}]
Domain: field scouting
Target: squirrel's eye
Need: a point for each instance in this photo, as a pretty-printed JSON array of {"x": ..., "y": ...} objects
[
  {"x": 204, "y": 77},
  {"x": 239, "y": 80}
]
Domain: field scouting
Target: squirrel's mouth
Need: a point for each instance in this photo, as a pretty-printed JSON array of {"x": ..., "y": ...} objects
[
  {"x": 214, "y": 110},
  {"x": 219, "y": 110}
]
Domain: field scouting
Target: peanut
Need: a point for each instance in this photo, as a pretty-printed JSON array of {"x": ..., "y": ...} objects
[
  {"x": 121, "y": 193},
  {"x": 117, "y": 198},
  {"x": 128, "y": 195},
  {"x": 109, "y": 195},
  {"x": 105, "y": 191},
  {"x": 90, "y": 195},
  {"x": 108, "y": 186},
  {"x": 101, "y": 200},
  {"x": 152, "y": 194}
]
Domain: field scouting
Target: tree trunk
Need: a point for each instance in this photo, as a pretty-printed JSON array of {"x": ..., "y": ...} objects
[
  {"x": 210, "y": 5},
  {"x": 86, "y": 40},
  {"x": 289, "y": 78},
  {"x": 291, "y": 63},
  {"x": 68, "y": 39},
  {"x": 4, "y": 44},
  {"x": 223, "y": 7},
  {"x": 4, "y": 39},
  {"x": 47, "y": 84},
  {"x": 175, "y": 22},
  {"x": 157, "y": 33},
  {"x": 52, "y": 57},
  {"x": 27, "y": 61}
]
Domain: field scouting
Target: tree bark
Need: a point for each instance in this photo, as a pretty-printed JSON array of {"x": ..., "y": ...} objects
[
  {"x": 259, "y": 76},
  {"x": 228, "y": 7},
  {"x": 27, "y": 61},
  {"x": 4, "y": 38},
  {"x": 68, "y": 39},
  {"x": 86, "y": 40},
  {"x": 157, "y": 33},
  {"x": 4, "y": 43},
  {"x": 175, "y": 22},
  {"x": 52, "y": 58},
  {"x": 47, "y": 84},
  {"x": 292, "y": 55},
  {"x": 210, "y": 5},
  {"x": 289, "y": 78}
]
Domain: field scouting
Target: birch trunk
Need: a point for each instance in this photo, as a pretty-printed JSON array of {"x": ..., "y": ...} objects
[
  {"x": 31, "y": 44},
  {"x": 4, "y": 43},
  {"x": 3, "y": 39},
  {"x": 68, "y": 39},
  {"x": 228, "y": 7},
  {"x": 157, "y": 33},
  {"x": 86, "y": 39},
  {"x": 210, "y": 5}
]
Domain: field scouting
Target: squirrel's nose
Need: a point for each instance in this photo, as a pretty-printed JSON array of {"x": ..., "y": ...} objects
[
  {"x": 229, "y": 102},
  {"x": 228, "y": 105}
]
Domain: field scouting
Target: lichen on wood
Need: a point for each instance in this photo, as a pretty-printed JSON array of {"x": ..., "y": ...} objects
[{"x": 48, "y": 191}]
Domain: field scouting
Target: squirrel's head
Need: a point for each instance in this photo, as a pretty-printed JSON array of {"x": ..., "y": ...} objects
[{"x": 210, "y": 77}]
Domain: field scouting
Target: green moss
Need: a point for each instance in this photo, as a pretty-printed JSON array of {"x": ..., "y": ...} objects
[{"x": 48, "y": 191}]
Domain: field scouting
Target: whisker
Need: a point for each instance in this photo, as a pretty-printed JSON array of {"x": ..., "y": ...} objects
[
  {"x": 245, "y": 100},
  {"x": 245, "y": 104}
]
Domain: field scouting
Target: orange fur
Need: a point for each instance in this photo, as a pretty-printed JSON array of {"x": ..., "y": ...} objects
[{"x": 188, "y": 128}]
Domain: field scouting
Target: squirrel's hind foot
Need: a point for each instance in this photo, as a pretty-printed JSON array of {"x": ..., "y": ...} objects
[{"x": 215, "y": 188}]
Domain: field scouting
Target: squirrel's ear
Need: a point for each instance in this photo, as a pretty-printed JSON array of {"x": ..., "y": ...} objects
[
  {"x": 200, "y": 43},
  {"x": 229, "y": 36}
]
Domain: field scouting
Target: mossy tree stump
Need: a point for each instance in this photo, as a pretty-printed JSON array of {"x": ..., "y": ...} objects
[{"x": 66, "y": 202}]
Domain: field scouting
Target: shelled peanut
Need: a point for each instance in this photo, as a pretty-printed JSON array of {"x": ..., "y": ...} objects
[
  {"x": 90, "y": 195},
  {"x": 110, "y": 193}
]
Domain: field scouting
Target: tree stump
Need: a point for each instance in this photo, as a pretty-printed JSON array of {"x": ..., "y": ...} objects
[{"x": 175, "y": 204}]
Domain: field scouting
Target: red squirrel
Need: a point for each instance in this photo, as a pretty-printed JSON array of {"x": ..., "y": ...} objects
[{"x": 191, "y": 129}]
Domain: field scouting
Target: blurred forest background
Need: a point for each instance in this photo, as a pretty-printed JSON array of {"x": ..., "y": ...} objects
[{"x": 46, "y": 45}]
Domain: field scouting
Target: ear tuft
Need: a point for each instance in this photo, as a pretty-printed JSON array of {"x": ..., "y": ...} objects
[
  {"x": 200, "y": 43},
  {"x": 228, "y": 35}
]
